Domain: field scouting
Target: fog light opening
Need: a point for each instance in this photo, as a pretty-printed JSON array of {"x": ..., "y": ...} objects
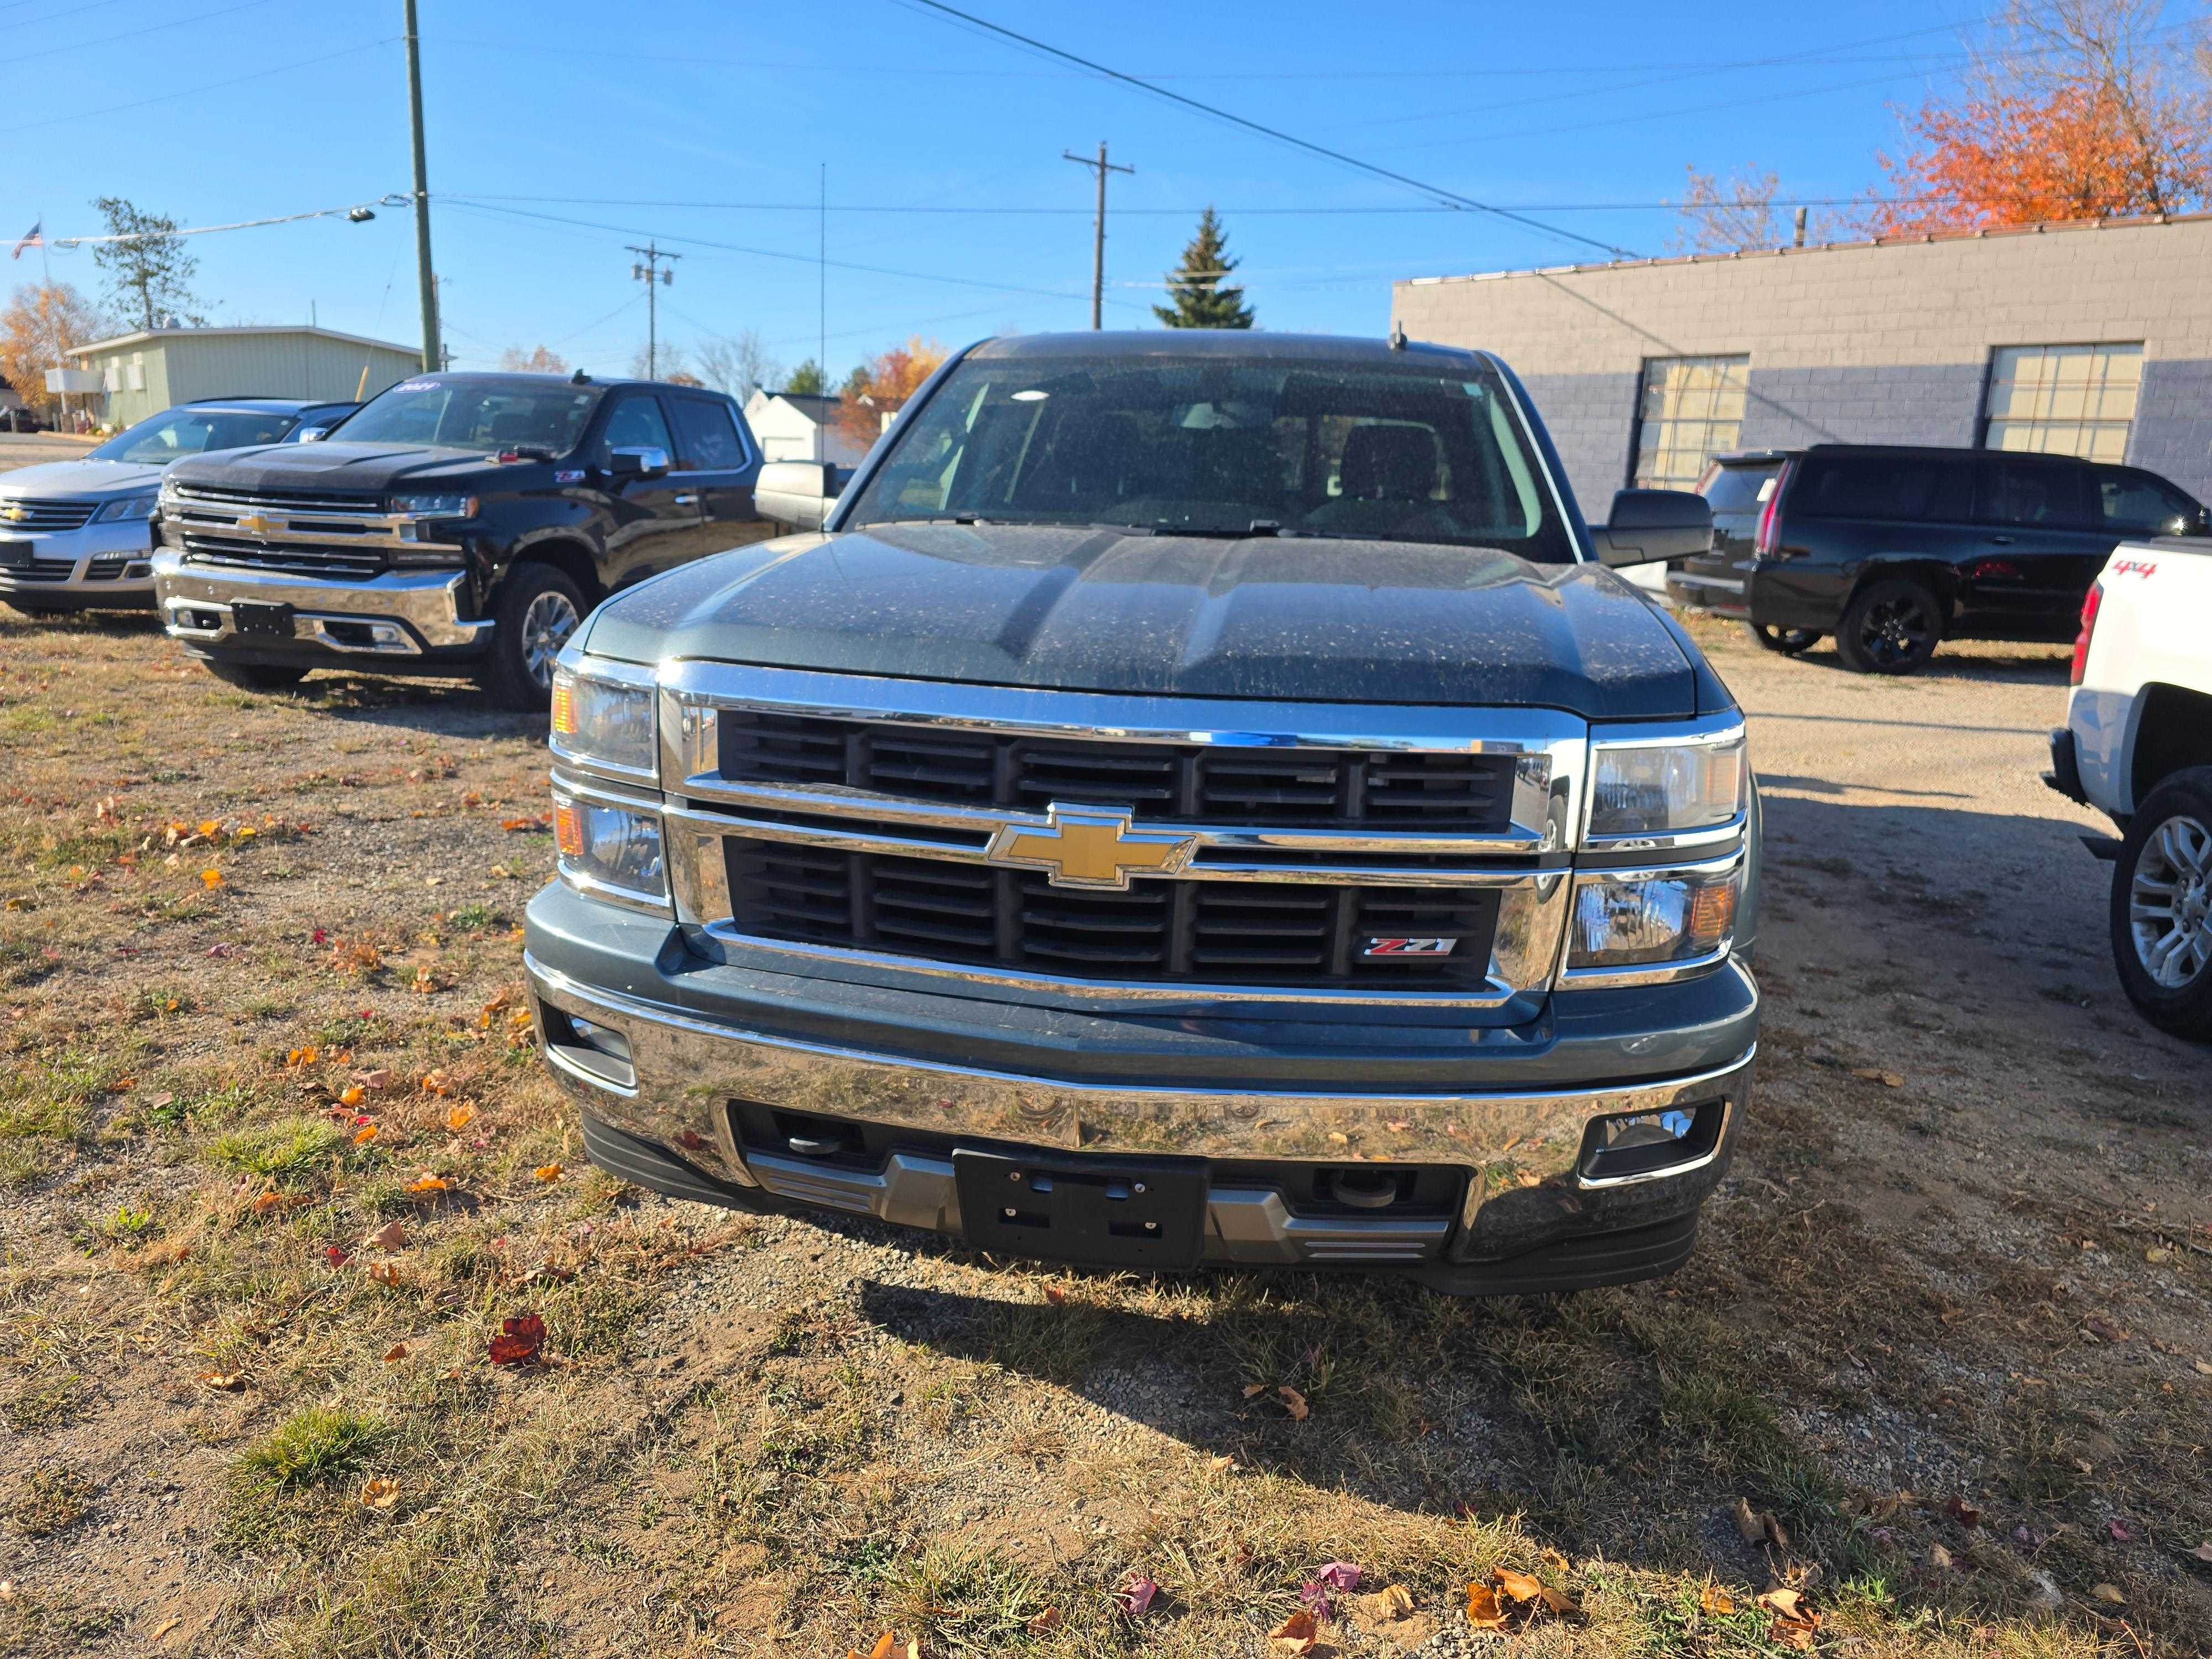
[{"x": 1624, "y": 1146}]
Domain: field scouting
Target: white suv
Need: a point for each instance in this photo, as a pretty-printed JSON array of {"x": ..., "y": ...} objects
[{"x": 2137, "y": 745}]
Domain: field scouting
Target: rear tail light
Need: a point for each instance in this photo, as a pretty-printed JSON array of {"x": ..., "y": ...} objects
[
  {"x": 2089, "y": 607},
  {"x": 1767, "y": 541}
]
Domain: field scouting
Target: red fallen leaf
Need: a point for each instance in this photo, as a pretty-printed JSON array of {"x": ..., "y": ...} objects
[
  {"x": 1135, "y": 1598},
  {"x": 1054, "y": 1295},
  {"x": 1340, "y": 1576},
  {"x": 1294, "y": 1637},
  {"x": 320, "y": 936},
  {"x": 337, "y": 1256},
  {"x": 519, "y": 1341},
  {"x": 2120, "y": 1531},
  {"x": 1964, "y": 1513}
]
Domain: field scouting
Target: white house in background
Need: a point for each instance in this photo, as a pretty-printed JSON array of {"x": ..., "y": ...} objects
[{"x": 795, "y": 426}]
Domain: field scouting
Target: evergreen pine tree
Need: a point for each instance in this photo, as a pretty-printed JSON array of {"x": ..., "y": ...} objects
[{"x": 1196, "y": 286}]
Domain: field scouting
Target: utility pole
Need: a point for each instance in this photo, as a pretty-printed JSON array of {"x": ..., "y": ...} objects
[
  {"x": 427, "y": 285},
  {"x": 1098, "y": 232},
  {"x": 647, "y": 270}
]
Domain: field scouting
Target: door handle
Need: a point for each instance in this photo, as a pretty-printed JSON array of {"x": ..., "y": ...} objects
[
  {"x": 693, "y": 500},
  {"x": 2001, "y": 541}
]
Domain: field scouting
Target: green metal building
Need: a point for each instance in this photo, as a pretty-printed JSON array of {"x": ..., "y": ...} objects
[{"x": 154, "y": 369}]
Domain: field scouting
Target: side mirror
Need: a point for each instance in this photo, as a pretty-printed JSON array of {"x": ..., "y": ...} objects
[
  {"x": 646, "y": 461},
  {"x": 2198, "y": 523},
  {"x": 798, "y": 493},
  {"x": 315, "y": 434},
  {"x": 1648, "y": 525}
]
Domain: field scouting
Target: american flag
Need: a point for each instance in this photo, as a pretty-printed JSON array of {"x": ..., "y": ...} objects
[{"x": 31, "y": 239}]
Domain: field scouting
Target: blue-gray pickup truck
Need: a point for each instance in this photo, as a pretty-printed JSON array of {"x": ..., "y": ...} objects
[{"x": 1190, "y": 799}]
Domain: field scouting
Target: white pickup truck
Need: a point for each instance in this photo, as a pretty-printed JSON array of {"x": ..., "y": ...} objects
[{"x": 2137, "y": 745}]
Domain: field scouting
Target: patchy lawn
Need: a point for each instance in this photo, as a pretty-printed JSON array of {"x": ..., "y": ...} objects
[{"x": 283, "y": 1174}]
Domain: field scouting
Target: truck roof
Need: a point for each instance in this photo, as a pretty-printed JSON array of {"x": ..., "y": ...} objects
[{"x": 1227, "y": 343}]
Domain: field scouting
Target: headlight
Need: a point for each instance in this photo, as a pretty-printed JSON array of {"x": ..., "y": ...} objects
[
  {"x": 1648, "y": 920},
  {"x": 1667, "y": 788},
  {"x": 131, "y": 507},
  {"x": 603, "y": 722},
  {"x": 604, "y": 847},
  {"x": 436, "y": 507}
]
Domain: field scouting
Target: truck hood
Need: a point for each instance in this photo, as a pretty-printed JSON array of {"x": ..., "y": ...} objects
[
  {"x": 1105, "y": 609},
  {"x": 50, "y": 479},
  {"x": 336, "y": 466}
]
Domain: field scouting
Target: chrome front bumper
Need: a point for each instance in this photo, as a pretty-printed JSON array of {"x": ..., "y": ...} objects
[
  {"x": 1523, "y": 1152},
  {"x": 97, "y": 565},
  {"x": 400, "y": 613}
]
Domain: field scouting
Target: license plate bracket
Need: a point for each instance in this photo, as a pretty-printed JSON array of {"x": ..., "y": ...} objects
[
  {"x": 1108, "y": 1213},
  {"x": 15, "y": 554},
  {"x": 254, "y": 616}
]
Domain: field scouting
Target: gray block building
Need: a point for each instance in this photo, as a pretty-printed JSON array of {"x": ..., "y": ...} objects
[{"x": 2091, "y": 338}]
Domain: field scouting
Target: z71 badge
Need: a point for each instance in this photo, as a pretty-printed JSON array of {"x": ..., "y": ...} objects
[{"x": 1408, "y": 947}]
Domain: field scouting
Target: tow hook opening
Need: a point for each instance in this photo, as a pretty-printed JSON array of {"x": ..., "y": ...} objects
[
  {"x": 1627, "y": 1145},
  {"x": 598, "y": 1050},
  {"x": 1366, "y": 1189}
]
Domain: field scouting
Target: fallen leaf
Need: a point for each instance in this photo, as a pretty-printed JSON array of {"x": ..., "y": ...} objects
[
  {"x": 1041, "y": 1622},
  {"x": 548, "y": 1172},
  {"x": 1784, "y": 1600},
  {"x": 2120, "y": 1533},
  {"x": 1716, "y": 1602},
  {"x": 336, "y": 1254},
  {"x": 1940, "y": 1558},
  {"x": 1795, "y": 1625},
  {"x": 166, "y": 1254},
  {"x": 519, "y": 825},
  {"x": 2104, "y": 1329},
  {"x": 1293, "y": 1402},
  {"x": 1482, "y": 1609},
  {"x": 378, "y": 1493},
  {"x": 1385, "y": 1607},
  {"x": 519, "y": 1341},
  {"x": 1135, "y": 1597},
  {"x": 1747, "y": 1524},
  {"x": 395, "y": 1353},
  {"x": 2158, "y": 1254},
  {"x": 390, "y": 1236},
  {"x": 1964, "y": 1513},
  {"x": 165, "y": 1627},
  {"x": 1056, "y": 1295},
  {"x": 211, "y": 877},
  {"x": 1295, "y": 1636},
  {"x": 352, "y": 1095},
  {"x": 460, "y": 1117},
  {"x": 381, "y": 1078},
  {"x": 1517, "y": 1586},
  {"x": 228, "y": 1381},
  {"x": 1254, "y": 1390},
  {"x": 2203, "y": 1367},
  {"x": 2203, "y": 1552},
  {"x": 427, "y": 1182},
  {"x": 366, "y": 1132},
  {"x": 385, "y": 1273},
  {"x": 2111, "y": 1593},
  {"x": 1341, "y": 1576},
  {"x": 1876, "y": 1074}
]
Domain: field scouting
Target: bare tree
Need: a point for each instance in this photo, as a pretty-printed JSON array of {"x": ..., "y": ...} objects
[
  {"x": 736, "y": 363},
  {"x": 1720, "y": 216},
  {"x": 149, "y": 269}
]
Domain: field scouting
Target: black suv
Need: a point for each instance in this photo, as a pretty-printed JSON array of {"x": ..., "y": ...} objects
[
  {"x": 453, "y": 523},
  {"x": 1893, "y": 549}
]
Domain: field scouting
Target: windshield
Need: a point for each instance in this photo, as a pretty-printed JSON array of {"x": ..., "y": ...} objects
[
  {"x": 464, "y": 411},
  {"x": 179, "y": 432},
  {"x": 1203, "y": 446}
]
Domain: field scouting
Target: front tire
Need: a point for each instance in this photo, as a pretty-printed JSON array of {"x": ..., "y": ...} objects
[
  {"x": 2161, "y": 910},
  {"x": 1890, "y": 627},
  {"x": 255, "y": 676},
  {"x": 1787, "y": 640},
  {"x": 536, "y": 613}
]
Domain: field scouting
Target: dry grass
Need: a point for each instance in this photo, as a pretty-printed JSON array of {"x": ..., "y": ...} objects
[{"x": 779, "y": 1435}]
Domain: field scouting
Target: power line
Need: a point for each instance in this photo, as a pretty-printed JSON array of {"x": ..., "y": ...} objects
[
  {"x": 132, "y": 34},
  {"x": 1280, "y": 137},
  {"x": 356, "y": 212},
  {"x": 1661, "y": 205},
  {"x": 203, "y": 87}
]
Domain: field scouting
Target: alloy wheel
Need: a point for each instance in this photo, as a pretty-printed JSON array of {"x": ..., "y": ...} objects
[
  {"x": 1897, "y": 630},
  {"x": 2170, "y": 902},
  {"x": 546, "y": 626}
]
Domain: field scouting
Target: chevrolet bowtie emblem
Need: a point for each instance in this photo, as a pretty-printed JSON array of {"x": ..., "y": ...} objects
[
  {"x": 1091, "y": 847},
  {"x": 12, "y": 510},
  {"x": 256, "y": 524}
]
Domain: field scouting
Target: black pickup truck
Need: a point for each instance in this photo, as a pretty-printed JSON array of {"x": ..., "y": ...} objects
[
  {"x": 456, "y": 523},
  {"x": 1204, "y": 800}
]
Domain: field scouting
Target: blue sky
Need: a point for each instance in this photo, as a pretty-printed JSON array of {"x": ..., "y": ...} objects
[{"x": 708, "y": 125}]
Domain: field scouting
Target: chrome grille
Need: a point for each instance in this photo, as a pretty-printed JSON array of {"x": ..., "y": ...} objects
[
  {"x": 279, "y": 500},
  {"x": 1195, "y": 932},
  {"x": 27, "y": 513},
  {"x": 320, "y": 560},
  {"x": 1444, "y": 792}
]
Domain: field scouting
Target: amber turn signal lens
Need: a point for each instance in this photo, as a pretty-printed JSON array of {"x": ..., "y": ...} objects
[
  {"x": 1712, "y": 914},
  {"x": 568, "y": 830},
  {"x": 564, "y": 709}
]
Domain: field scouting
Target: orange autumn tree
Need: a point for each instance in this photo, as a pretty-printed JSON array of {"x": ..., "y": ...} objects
[
  {"x": 2091, "y": 109},
  {"x": 883, "y": 384}
]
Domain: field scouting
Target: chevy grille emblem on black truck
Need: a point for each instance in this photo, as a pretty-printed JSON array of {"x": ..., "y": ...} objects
[{"x": 1408, "y": 947}]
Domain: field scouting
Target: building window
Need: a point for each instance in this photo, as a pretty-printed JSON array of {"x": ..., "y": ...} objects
[
  {"x": 2063, "y": 399},
  {"x": 1692, "y": 409}
]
